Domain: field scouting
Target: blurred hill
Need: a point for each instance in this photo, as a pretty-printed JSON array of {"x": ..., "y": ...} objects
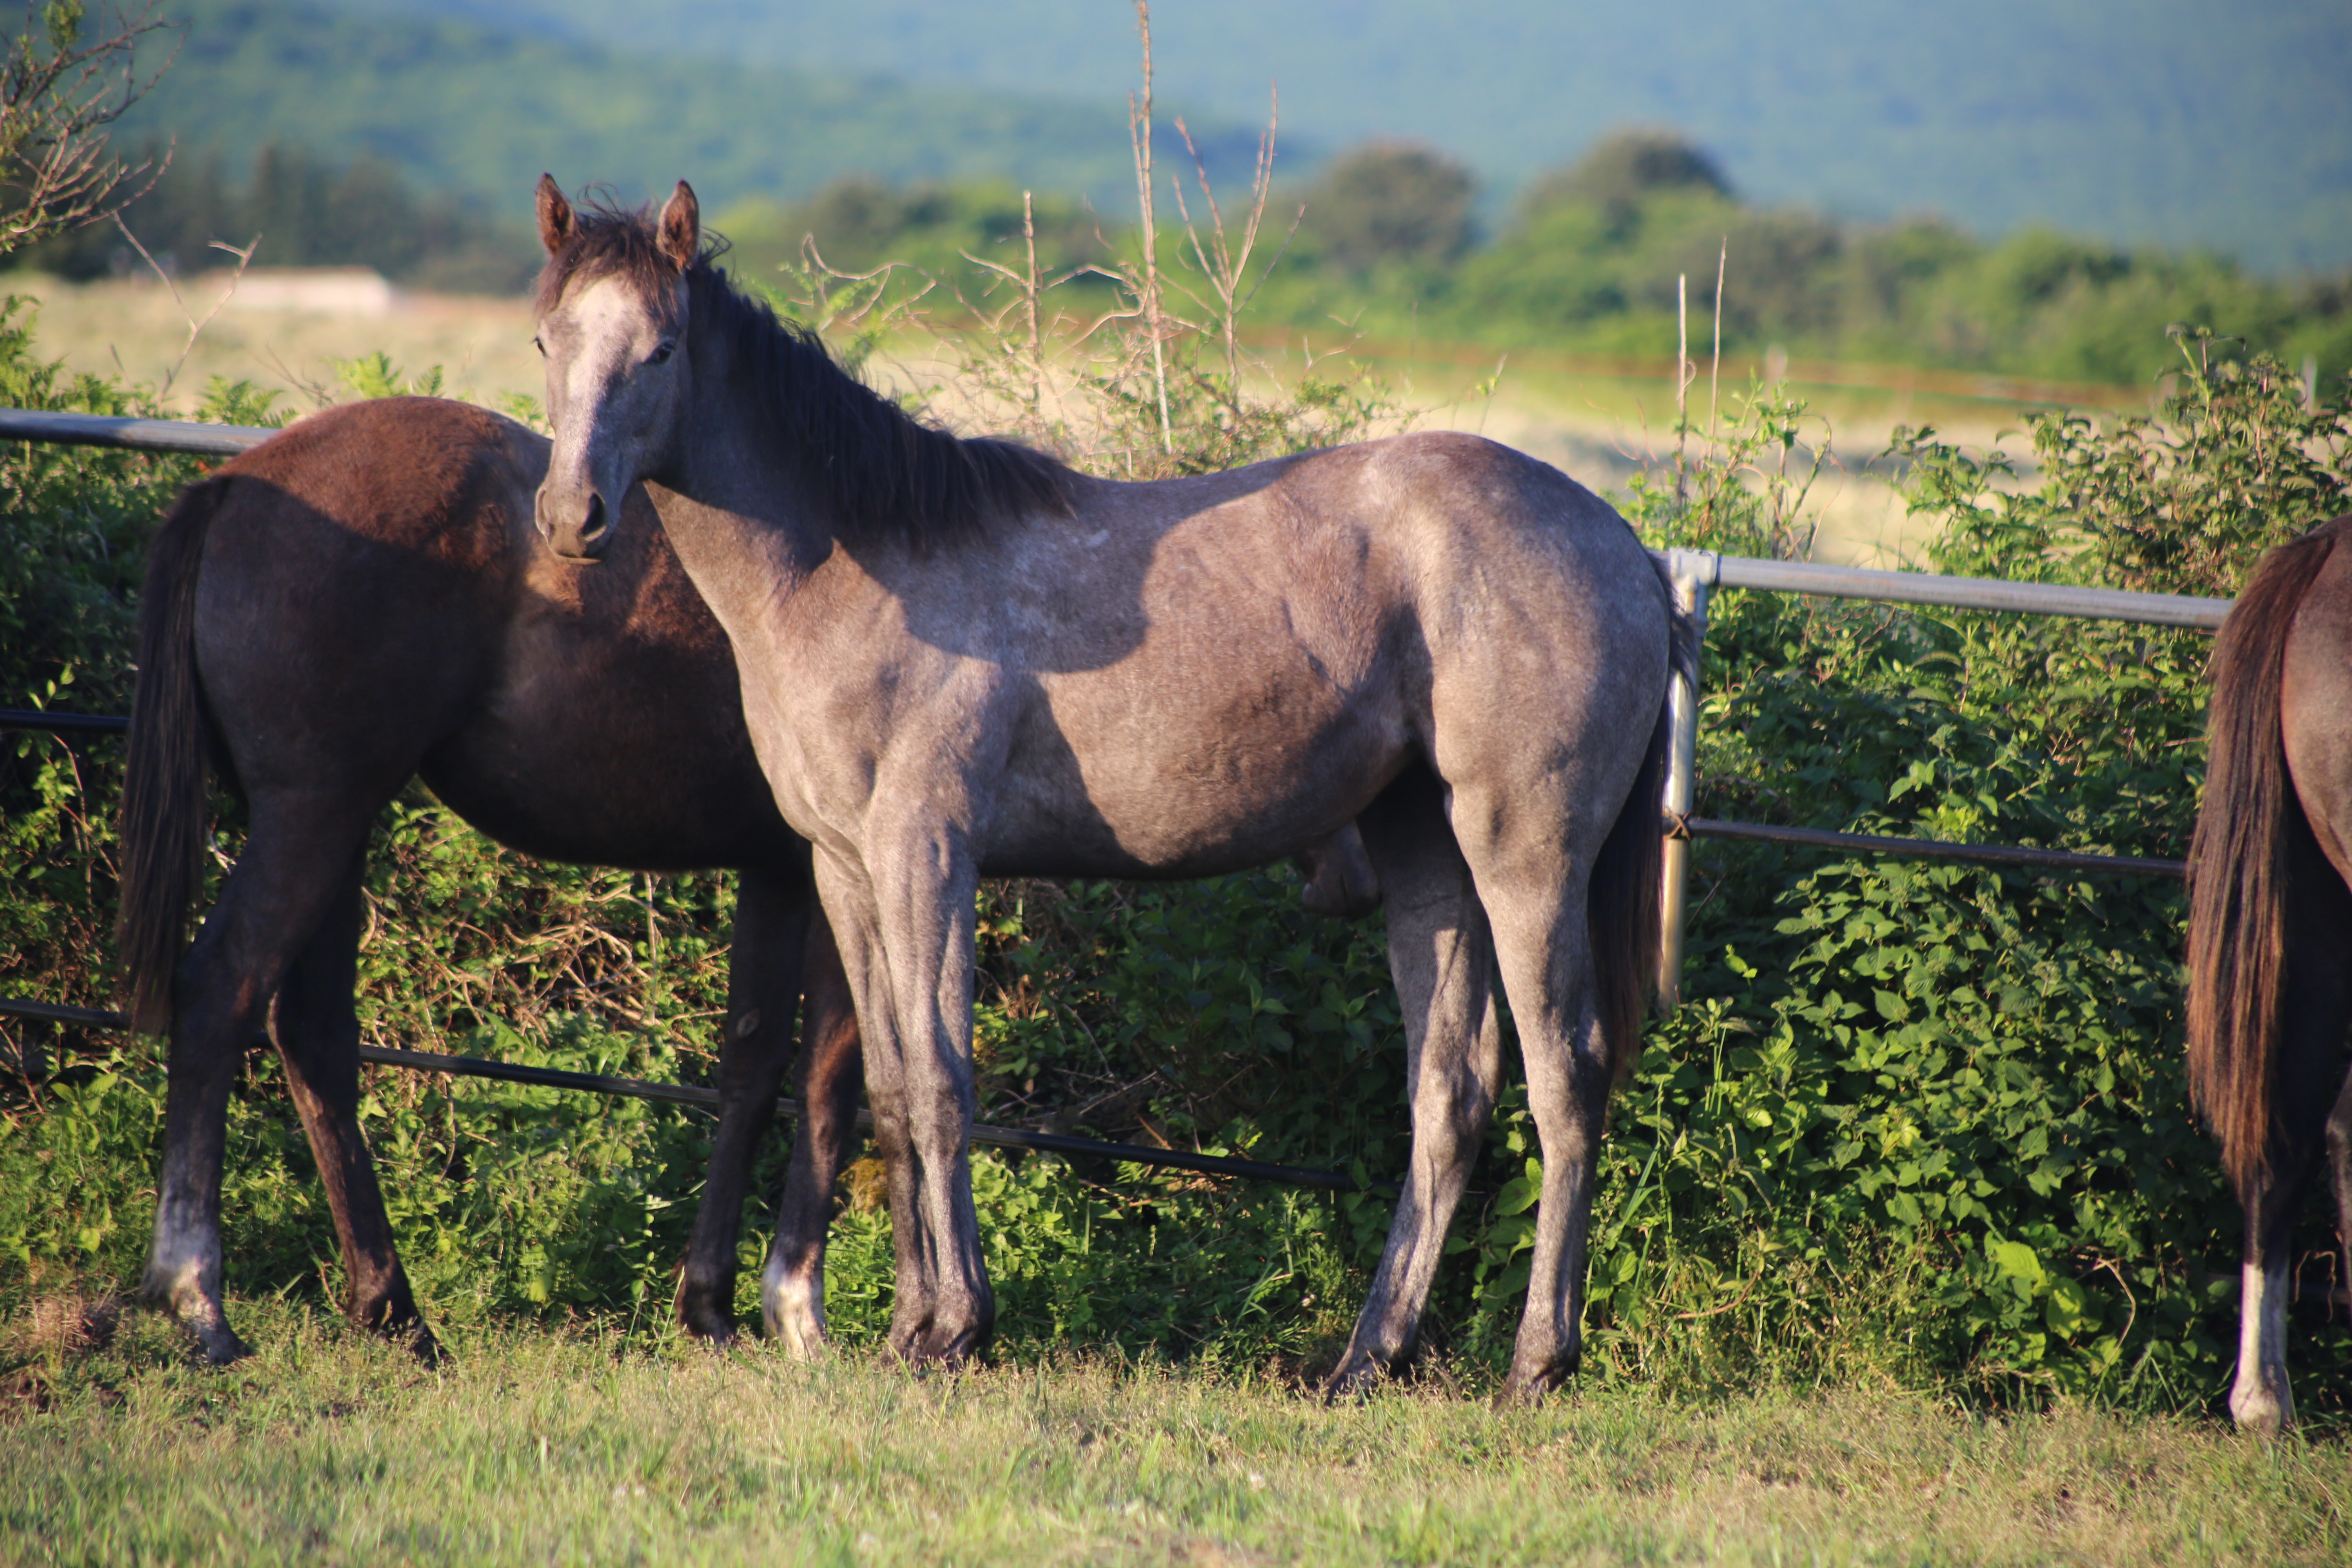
[
  {"x": 2176, "y": 123},
  {"x": 457, "y": 106}
]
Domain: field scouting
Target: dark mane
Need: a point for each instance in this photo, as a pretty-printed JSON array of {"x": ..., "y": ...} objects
[{"x": 878, "y": 471}]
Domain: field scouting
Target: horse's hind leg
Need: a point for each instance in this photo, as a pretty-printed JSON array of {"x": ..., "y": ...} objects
[
  {"x": 2316, "y": 1010},
  {"x": 763, "y": 984},
  {"x": 1531, "y": 849},
  {"x": 317, "y": 1033},
  {"x": 1442, "y": 958},
  {"x": 833, "y": 1074},
  {"x": 2339, "y": 1172},
  {"x": 273, "y": 902}
]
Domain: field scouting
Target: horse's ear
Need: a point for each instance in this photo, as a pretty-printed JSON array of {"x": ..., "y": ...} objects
[
  {"x": 554, "y": 215},
  {"x": 681, "y": 227}
]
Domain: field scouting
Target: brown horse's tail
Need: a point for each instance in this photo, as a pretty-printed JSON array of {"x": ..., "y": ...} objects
[
  {"x": 1622, "y": 902},
  {"x": 163, "y": 824},
  {"x": 2241, "y": 861}
]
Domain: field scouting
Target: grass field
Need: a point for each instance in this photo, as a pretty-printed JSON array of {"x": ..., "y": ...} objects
[{"x": 538, "y": 1445}]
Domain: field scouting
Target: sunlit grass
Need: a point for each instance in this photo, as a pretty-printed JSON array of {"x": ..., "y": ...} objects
[{"x": 542, "y": 1446}]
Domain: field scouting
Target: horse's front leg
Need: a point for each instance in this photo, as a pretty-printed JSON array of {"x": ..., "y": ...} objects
[
  {"x": 904, "y": 922},
  {"x": 772, "y": 910}
]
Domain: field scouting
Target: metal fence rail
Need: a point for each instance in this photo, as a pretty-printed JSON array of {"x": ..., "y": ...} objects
[
  {"x": 1694, "y": 572},
  {"x": 140, "y": 435},
  {"x": 1709, "y": 570}
]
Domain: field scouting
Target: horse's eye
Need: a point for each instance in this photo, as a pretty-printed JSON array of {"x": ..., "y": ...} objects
[
  {"x": 539, "y": 346},
  {"x": 662, "y": 351}
]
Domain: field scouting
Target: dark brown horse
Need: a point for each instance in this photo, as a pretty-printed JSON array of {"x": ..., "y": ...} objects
[
  {"x": 361, "y": 600},
  {"x": 2270, "y": 927}
]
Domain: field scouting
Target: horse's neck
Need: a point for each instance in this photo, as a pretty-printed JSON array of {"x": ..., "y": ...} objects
[
  {"x": 743, "y": 531},
  {"x": 740, "y": 562}
]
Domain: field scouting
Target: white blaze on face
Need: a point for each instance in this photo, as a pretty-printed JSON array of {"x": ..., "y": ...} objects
[{"x": 604, "y": 396}]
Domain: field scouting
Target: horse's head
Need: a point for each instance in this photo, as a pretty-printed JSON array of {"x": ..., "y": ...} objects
[{"x": 612, "y": 322}]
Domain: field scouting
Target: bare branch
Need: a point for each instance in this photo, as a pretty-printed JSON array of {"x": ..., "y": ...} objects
[
  {"x": 60, "y": 92},
  {"x": 195, "y": 324}
]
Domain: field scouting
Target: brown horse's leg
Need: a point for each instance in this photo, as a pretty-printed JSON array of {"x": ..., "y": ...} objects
[
  {"x": 273, "y": 902},
  {"x": 763, "y": 984},
  {"x": 2314, "y": 1012},
  {"x": 2339, "y": 1172},
  {"x": 833, "y": 1075},
  {"x": 1441, "y": 957},
  {"x": 318, "y": 1037}
]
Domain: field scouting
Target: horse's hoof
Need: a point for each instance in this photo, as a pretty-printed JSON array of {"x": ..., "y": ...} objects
[
  {"x": 1516, "y": 1395},
  {"x": 1354, "y": 1383},
  {"x": 218, "y": 1343},
  {"x": 954, "y": 1352},
  {"x": 936, "y": 1350},
  {"x": 207, "y": 1325},
  {"x": 2261, "y": 1409},
  {"x": 1525, "y": 1389},
  {"x": 179, "y": 1297},
  {"x": 791, "y": 1313},
  {"x": 714, "y": 1328}
]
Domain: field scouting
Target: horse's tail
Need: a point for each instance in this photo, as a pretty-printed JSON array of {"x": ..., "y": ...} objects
[
  {"x": 163, "y": 825},
  {"x": 2241, "y": 859},
  {"x": 1623, "y": 903}
]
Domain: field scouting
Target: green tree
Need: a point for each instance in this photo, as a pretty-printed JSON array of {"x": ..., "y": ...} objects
[
  {"x": 1626, "y": 168},
  {"x": 1386, "y": 203}
]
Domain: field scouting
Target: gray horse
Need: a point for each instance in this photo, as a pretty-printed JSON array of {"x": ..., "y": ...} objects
[{"x": 962, "y": 658}]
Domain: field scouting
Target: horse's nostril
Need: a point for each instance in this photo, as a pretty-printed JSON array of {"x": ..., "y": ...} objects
[{"x": 593, "y": 525}]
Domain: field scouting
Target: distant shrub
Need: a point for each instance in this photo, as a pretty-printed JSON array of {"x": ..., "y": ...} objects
[
  {"x": 1387, "y": 204},
  {"x": 1625, "y": 168}
]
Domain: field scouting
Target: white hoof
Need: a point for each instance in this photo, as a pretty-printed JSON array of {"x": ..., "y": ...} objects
[{"x": 793, "y": 1311}]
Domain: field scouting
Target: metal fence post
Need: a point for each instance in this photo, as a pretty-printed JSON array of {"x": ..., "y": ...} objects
[{"x": 1692, "y": 572}]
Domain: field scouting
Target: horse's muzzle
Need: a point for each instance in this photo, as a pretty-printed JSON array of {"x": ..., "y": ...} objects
[{"x": 575, "y": 531}]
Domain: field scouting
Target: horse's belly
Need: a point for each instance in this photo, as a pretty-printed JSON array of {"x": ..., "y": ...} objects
[
  {"x": 652, "y": 795},
  {"x": 1232, "y": 777}
]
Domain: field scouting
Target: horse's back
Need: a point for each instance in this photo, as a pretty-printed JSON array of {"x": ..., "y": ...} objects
[{"x": 1209, "y": 671}]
